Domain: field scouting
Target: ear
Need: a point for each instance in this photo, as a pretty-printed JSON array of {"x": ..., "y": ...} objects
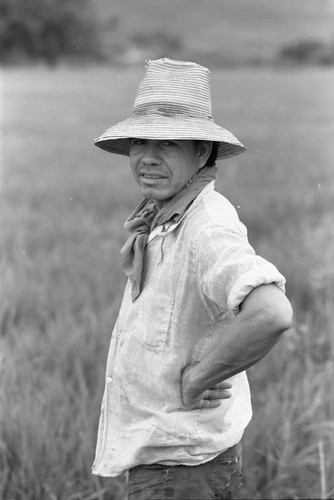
[{"x": 204, "y": 151}]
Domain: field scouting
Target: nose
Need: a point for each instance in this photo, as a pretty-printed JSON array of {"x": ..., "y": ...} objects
[{"x": 151, "y": 154}]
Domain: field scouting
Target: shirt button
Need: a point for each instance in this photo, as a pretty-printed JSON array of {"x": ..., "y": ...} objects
[
  {"x": 109, "y": 379},
  {"x": 118, "y": 335}
]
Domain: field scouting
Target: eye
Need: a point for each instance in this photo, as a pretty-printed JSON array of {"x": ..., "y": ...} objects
[
  {"x": 137, "y": 142},
  {"x": 169, "y": 144}
]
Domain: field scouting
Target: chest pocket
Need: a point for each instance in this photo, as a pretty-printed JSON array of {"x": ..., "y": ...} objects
[{"x": 153, "y": 319}]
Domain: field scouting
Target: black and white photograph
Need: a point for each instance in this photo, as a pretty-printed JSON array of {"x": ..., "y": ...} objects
[{"x": 166, "y": 249}]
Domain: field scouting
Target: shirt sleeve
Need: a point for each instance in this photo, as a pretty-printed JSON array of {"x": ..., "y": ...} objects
[{"x": 228, "y": 269}]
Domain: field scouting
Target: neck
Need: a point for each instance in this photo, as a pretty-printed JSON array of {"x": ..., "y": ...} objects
[{"x": 202, "y": 171}]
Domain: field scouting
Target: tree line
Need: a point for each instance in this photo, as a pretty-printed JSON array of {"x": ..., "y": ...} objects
[{"x": 47, "y": 30}]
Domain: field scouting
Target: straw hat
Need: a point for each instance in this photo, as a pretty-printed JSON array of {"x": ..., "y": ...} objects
[{"x": 173, "y": 102}]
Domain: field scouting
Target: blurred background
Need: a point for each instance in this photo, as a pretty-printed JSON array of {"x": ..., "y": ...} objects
[
  {"x": 69, "y": 70},
  {"x": 223, "y": 33}
]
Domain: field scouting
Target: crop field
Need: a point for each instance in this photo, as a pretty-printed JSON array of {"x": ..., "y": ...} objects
[{"x": 63, "y": 204}]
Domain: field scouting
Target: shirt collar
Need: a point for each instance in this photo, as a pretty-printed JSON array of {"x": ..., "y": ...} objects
[{"x": 162, "y": 231}]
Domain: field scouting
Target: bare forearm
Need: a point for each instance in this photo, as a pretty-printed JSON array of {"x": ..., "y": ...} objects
[
  {"x": 242, "y": 346},
  {"x": 252, "y": 334}
]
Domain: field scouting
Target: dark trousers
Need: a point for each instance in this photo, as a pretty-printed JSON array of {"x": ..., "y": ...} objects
[{"x": 218, "y": 479}]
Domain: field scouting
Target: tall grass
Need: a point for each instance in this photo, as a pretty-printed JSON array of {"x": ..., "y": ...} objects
[{"x": 63, "y": 203}]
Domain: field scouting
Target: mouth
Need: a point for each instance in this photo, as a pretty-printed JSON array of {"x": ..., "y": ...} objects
[{"x": 151, "y": 177}]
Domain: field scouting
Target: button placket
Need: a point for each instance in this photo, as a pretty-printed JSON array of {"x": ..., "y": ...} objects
[{"x": 109, "y": 377}]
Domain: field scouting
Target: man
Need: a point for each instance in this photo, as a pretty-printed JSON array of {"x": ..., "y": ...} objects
[{"x": 199, "y": 307}]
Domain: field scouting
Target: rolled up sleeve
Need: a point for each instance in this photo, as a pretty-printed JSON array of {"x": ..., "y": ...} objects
[{"x": 228, "y": 269}]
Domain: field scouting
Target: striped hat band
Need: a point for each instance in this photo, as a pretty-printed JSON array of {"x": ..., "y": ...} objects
[{"x": 173, "y": 102}]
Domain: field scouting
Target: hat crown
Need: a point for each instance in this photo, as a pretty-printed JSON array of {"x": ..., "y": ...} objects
[
  {"x": 171, "y": 88},
  {"x": 173, "y": 102}
]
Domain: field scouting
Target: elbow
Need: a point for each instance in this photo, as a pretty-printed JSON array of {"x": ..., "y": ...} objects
[
  {"x": 280, "y": 316},
  {"x": 269, "y": 308}
]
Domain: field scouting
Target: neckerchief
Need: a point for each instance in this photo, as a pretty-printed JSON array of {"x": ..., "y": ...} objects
[{"x": 147, "y": 216}]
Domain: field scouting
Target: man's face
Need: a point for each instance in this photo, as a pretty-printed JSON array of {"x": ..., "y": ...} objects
[{"x": 162, "y": 168}]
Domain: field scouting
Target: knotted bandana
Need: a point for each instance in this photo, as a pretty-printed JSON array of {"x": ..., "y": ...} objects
[{"x": 147, "y": 216}]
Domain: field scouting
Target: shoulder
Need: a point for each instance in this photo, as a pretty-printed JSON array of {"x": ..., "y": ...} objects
[
  {"x": 219, "y": 208},
  {"x": 213, "y": 211}
]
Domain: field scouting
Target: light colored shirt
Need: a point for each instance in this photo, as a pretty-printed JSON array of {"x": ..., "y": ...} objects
[{"x": 196, "y": 274}]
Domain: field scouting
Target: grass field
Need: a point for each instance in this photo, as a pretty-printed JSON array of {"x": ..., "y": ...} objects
[{"x": 63, "y": 203}]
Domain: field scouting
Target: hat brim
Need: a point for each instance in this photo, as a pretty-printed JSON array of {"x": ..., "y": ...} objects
[{"x": 116, "y": 139}]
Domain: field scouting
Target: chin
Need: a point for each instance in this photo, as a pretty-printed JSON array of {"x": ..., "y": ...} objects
[{"x": 152, "y": 194}]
